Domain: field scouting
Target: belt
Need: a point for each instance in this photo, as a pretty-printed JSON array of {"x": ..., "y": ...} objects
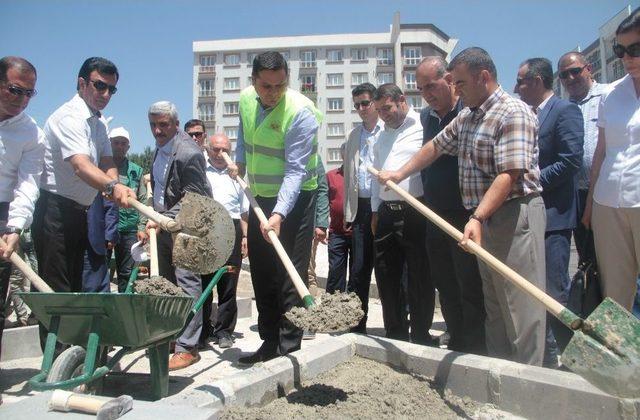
[{"x": 395, "y": 205}]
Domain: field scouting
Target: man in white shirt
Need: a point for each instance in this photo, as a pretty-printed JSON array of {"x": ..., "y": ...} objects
[
  {"x": 227, "y": 192},
  {"x": 21, "y": 156},
  {"x": 397, "y": 227}
]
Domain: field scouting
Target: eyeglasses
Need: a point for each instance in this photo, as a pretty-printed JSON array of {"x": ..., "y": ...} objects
[
  {"x": 633, "y": 50},
  {"x": 520, "y": 80},
  {"x": 20, "y": 91},
  {"x": 196, "y": 134},
  {"x": 361, "y": 104},
  {"x": 102, "y": 86},
  {"x": 573, "y": 71},
  {"x": 218, "y": 150}
]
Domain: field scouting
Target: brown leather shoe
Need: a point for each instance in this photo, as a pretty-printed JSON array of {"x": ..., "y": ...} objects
[{"x": 182, "y": 359}]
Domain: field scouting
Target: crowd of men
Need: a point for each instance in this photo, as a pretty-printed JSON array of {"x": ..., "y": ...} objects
[{"x": 511, "y": 174}]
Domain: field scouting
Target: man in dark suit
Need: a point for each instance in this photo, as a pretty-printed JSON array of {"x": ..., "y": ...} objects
[
  {"x": 102, "y": 225},
  {"x": 560, "y": 140},
  {"x": 178, "y": 167}
]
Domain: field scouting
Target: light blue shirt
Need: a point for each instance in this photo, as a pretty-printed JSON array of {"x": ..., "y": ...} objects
[
  {"x": 367, "y": 141},
  {"x": 160, "y": 168},
  {"x": 298, "y": 147},
  {"x": 227, "y": 191}
]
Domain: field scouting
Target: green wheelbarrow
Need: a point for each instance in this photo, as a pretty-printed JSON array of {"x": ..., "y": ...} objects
[{"x": 93, "y": 322}]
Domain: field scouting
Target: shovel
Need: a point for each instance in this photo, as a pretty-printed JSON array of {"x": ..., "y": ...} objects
[
  {"x": 605, "y": 348},
  {"x": 25, "y": 268},
  {"x": 204, "y": 232}
]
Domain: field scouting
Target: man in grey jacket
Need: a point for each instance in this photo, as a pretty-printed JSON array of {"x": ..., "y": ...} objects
[{"x": 357, "y": 194}]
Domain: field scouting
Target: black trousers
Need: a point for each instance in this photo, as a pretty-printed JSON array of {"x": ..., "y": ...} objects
[
  {"x": 400, "y": 242},
  {"x": 227, "y": 313},
  {"x": 581, "y": 235},
  {"x": 5, "y": 271},
  {"x": 456, "y": 276},
  {"x": 275, "y": 293},
  {"x": 340, "y": 257},
  {"x": 362, "y": 258},
  {"x": 60, "y": 239}
]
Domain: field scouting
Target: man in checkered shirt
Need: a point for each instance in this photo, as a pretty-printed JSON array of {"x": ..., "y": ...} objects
[{"x": 495, "y": 139}]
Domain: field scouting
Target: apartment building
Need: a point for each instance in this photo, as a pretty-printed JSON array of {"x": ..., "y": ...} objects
[{"x": 323, "y": 67}]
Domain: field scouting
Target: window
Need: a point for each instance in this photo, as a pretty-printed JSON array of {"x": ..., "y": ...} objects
[
  {"x": 335, "y": 130},
  {"x": 250, "y": 57},
  {"x": 231, "y": 108},
  {"x": 415, "y": 102},
  {"x": 335, "y": 79},
  {"x": 385, "y": 56},
  {"x": 206, "y": 112},
  {"x": 333, "y": 155},
  {"x": 358, "y": 54},
  {"x": 308, "y": 83},
  {"x": 206, "y": 87},
  {"x": 412, "y": 55},
  {"x": 359, "y": 78},
  {"x": 410, "y": 80},
  {"x": 618, "y": 70},
  {"x": 231, "y": 132},
  {"x": 335, "y": 104},
  {"x": 232, "y": 59},
  {"x": 207, "y": 63},
  {"x": 232, "y": 83},
  {"x": 334, "y": 56},
  {"x": 308, "y": 58},
  {"x": 385, "y": 78}
]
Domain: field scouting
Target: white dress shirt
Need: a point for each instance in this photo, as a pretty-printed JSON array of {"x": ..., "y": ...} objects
[
  {"x": 394, "y": 148},
  {"x": 21, "y": 157},
  {"x": 160, "y": 168},
  {"x": 227, "y": 191},
  {"x": 618, "y": 183},
  {"x": 73, "y": 129}
]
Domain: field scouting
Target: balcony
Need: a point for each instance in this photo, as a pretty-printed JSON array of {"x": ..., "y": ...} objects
[
  {"x": 207, "y": 69},
  {"x": 411, "y": 61},
  {"x": 309, "y": 90}
]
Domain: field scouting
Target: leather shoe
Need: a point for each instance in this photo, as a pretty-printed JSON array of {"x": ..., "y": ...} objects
[
  {"x": 225, "y": 341},
  {"x": 182, "y": 359},
  {"x": 259, "y": 356}
]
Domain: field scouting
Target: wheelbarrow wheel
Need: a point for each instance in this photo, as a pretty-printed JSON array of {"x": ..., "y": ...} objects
[{"x": 70, "y": 364}]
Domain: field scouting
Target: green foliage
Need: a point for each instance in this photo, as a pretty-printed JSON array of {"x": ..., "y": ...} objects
[{"x": 144, "y": 159}]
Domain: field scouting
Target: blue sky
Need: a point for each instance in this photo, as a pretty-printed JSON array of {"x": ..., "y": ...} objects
[{"x": 151, "y": 41}]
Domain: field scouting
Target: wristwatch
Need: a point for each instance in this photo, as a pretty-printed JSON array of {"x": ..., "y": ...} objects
[
  {"x": 10, "y": 229},
  {"x": 476, "y": 217},
  {"x": 108, "y": 189}
]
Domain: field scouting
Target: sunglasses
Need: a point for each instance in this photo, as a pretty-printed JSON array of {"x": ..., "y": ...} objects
[
  {"x": 102, "y": 86},
  {"x": 361, "y": 104},
  {"x": 573, "y": 71},
  {"x": 520, "y": 80},
  {"x": 218, "y": 150},
  {"x": 633, "y": 50},
  {"x": 20, "y": 91},
  {"x": 196, "y": 134}
]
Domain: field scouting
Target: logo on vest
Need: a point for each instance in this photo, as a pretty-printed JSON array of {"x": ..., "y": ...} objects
[{"x": 275, "y": 126}]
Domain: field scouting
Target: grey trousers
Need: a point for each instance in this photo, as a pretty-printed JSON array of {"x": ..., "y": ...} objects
[
  {"x": 515, "y": 323},
  {"x": 189, "y": 282}
]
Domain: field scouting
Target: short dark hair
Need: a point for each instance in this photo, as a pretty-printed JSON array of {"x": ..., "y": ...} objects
[
  {"x": 269, "y": 60},
  {"x": 630, "y": 23},
  {"x": 10, "y": 62},
  {"x": 193, "y": 123},
  {"x": 99, "y": 64},
  {"x": 364, "y": 88},
  {"x": 581, "y": 57},
  {"x": 540, "y": 67},
  {"x": 388, "y": 90},
  {"x": 476, "y": 59}
]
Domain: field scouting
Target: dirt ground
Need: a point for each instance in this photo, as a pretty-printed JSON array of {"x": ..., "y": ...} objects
[{"x": 364, "y": 389}]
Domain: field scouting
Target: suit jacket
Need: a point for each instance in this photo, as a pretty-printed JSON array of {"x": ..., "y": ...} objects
[
  {"x": 187, "y": 172},
  {"x": 102, "y": 224},
  {"x": 561, "y": 142}
]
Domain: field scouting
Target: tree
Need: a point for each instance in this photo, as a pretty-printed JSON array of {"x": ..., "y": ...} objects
[{"x": 144, "y": 159}]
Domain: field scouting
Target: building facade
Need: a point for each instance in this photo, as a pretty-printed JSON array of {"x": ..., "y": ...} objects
[{"x": 323, "y": 67}]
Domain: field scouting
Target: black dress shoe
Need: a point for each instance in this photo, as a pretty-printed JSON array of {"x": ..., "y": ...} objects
[{"x": 257, "y": 357}]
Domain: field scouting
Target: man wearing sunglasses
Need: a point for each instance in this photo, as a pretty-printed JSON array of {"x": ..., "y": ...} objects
[
  {"x": 195, "y": 129},
  {"x": 575, "y": 75},
  {"x": 357, "y": 194},
  {"x": 21, "y": 157},
  {"x": 78, "y": 164}
]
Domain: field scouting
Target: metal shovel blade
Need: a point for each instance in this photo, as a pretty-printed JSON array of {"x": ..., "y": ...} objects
[
  {"x": 606, "y": 351},
  {"x": 206, "y": 237}
]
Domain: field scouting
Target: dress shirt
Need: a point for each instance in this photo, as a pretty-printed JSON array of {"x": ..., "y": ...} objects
[
  {"x": 367, "y": 141},
  {"x": 619, "y": 115},
  {"x": 21, "y": 157},
  {"x": 335, "y": 180},
  {"x": 499, "y": 135},
  {"x": 227, "y": 191},
  {"x": 394, "y": 148},
  {"x": 160, "y": 168},
  {"x": 542, "y": 104},
  {"x": 589, "y": 108},
  {"x": 73, "y": 129},
  {"x": 298, "y": 147}
]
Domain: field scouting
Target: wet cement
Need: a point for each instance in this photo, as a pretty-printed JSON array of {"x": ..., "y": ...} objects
[
  {"x": 332, "y": 313},
  {"x": 158, "y": 286},
  {"x": 364, "y": 389}
]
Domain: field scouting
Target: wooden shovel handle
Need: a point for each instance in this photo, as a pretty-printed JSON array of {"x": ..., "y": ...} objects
[
  {"x": 165, "y": 222},
  {"x": 34, "y": 278},
  {"x": 66, "y": 401},
  {"x": 286, "y": 261},
  {"x": 551, "y": 304},
  {"x": 154, "y": 270}
]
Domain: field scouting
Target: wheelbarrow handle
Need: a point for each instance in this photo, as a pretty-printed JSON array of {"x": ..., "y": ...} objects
[
  {"x": 275, "y": 241},
  {"x": 165, "y": 222},
  {"x": 553, "y": 306},
  {"x": 35, "y": 279}
]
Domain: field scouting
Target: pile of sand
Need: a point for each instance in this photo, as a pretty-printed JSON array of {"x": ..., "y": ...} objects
[
  {"x": 332, "y": 313},
  {"x": 157, "y": 285}
]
